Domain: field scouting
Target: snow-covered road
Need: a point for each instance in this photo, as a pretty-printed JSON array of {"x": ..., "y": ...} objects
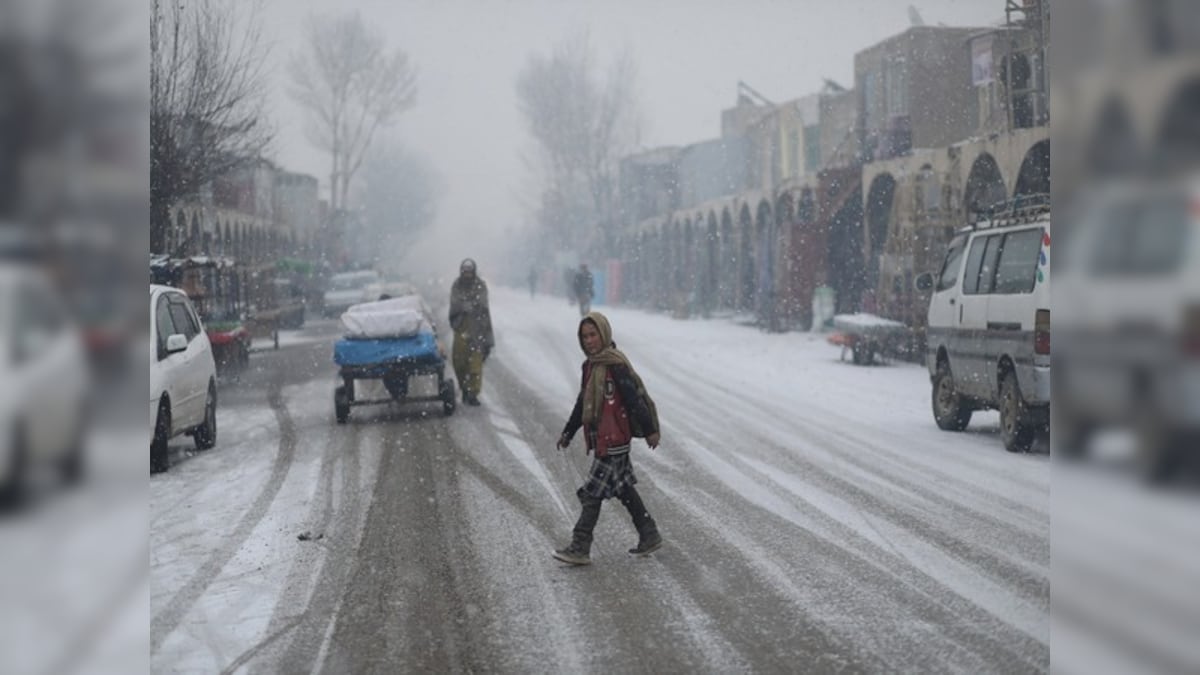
[{"x": 815, "y": 519}]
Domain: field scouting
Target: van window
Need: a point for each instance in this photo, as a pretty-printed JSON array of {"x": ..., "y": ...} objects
[
  {"x": 948, "y": 277},
  {"x": 981, "y": 265},
  {"x": 991, "y": 258},
  {"x": 1016, "y": 271}
]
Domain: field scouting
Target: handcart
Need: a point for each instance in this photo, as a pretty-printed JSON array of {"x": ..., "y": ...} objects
[
  {"x": 866, "y": 335},
  {"x": 392, "y": 341}
]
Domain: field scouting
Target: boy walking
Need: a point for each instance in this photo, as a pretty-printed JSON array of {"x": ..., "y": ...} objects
[{"x": 612, "y": 403}]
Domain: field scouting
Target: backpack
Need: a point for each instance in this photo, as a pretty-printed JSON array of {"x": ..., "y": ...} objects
[{"x": 635, "y": 427}]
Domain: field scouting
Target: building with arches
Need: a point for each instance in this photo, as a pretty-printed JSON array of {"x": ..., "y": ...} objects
[{"x": 857, "y": 190}]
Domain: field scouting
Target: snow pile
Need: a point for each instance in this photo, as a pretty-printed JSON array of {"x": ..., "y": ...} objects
[
  {"x": 396, "y": 317},
  {"x": 866, "y": 323}
]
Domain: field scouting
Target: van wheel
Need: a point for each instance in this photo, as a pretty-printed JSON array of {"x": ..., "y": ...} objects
[
  {"x": 949, "y": 410},
  {"x": 205, "y": 435},
  {"x": 1157, "y": 449},
  {"x": 158, "y": 444},
  {"x": 13, "y": 489},
  {"x": 1016, "y": 430},
  {"x": 1071, "y": 435},
  {"x": 71, "y": 466}
]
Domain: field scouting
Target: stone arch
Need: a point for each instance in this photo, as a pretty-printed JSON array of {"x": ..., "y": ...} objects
[
  {"x": 784, "y": 208},
  {"x": 727, "y": 274},
  {"x": 765, "y": 254},
  {"x": 767, "y": 245},
  {"x": 985, "y": 185},
  {"x": 806, "y": 207},
  {"x": 193, "y": 240},
  {"x": 1034, "y": 176},
  {"x": 746, "y": 274},
  {"x": 709, "y": 268},
  {"x": 685, "y": 272},
  {"x": 1113, "y": 147},
  {"x": 1178, "y": 138},
  {"x": 179, "y": 233},
  {"x": 881, "y": 196}
]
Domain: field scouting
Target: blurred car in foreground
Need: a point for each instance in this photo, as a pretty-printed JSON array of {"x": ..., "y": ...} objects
[
  {"x": 183, "y": 375},
  {"x": 1129, "y": 320},
  {"x": 44, "y": 368}
]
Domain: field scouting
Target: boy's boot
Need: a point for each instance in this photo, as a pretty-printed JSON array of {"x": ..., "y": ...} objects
[
  {"x": 648, "y": 537},
  {"x": 579, "y": 550}
]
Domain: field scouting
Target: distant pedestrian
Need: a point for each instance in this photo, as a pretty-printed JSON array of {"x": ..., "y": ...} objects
[
  {"x": 584, "y": 289},
  {"x": 612, "y": 407}
]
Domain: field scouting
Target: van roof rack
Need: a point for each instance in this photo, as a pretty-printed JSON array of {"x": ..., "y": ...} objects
[{"x": 1020, "y": 209}]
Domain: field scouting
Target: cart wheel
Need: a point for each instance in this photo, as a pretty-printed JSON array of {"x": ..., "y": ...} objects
[
  {"x": 449, "y": 400},
  {"x": 341, "y": 405},
  {"x": 864, "y": 353}
]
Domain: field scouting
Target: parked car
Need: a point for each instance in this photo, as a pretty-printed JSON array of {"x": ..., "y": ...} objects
[
  {"x": 988, "y": 338},
  {"x": 183, "y": 375},
  {"x": 1129, "y": 291},
  {"x": 44, "y": 370},
  {"x": 351, "y": 288}
]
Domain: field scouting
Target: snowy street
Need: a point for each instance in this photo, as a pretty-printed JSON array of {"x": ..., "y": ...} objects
[{"x": 815, "y": 519}]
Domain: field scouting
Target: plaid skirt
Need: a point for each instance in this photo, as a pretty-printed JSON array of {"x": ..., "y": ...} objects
[{"x": 608, "y": 476}]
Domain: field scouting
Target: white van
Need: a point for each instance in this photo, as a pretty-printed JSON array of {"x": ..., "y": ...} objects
[{"x": 988, "y": 339}]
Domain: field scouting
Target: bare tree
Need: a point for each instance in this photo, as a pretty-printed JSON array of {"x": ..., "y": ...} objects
[
  {"x": 352, "y": 86},
  {"x": 206, "y": 98},
  {"x": 581, "y": 124},
  {"x": 400, "y": 196}
]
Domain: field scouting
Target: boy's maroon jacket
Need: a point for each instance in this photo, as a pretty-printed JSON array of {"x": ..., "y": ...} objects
[{"x": 612, "y": 434}]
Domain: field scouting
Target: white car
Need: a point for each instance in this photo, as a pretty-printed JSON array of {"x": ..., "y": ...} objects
[
  {"x": 183, "y": 375},
  {"x": 351, "y": 288},
  {"x": 988, "y": 339},
  {"x": 1129, "y": 293},
  {"x": 44, "y": 371}
]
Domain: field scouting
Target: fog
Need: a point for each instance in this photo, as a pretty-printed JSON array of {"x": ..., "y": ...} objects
[{"x": 688, "y": 58}]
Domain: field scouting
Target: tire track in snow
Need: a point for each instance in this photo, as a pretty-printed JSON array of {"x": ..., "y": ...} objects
[
  {"x": 898, "y": 475},
  {"x": 834, "y": 532},
  {"x": 166, "y": 621},
  {"x": 338, "y": 514}
]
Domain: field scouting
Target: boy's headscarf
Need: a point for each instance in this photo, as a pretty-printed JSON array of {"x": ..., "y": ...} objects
[{"x": 593, "y": 389}]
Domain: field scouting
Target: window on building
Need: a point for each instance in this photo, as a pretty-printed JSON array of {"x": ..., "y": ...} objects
[
  {"x": 897, "y": 87},
  {"x": 794, "y": 153},
  {"x": 812, "y": 148},
  {"x": 870, "y": 114}
]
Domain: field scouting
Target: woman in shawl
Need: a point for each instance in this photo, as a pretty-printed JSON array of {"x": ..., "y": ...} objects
[
  {"x": 471, "y": 321},
  {"x": 612, "y": 405}
]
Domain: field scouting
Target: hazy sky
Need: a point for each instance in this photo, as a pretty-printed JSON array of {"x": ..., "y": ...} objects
[{"x": 689, "y": 57}]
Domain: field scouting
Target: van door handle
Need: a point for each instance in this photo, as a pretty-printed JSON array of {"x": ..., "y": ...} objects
[{"x": 960, "y": 313}]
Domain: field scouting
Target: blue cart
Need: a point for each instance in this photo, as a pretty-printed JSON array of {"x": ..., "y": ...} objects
[{"x": 394, "y": 361}]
